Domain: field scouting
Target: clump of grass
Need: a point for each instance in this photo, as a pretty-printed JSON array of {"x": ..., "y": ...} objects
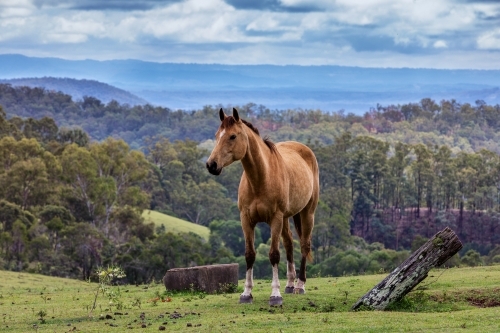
[
  {"x": 41, "y": 314},
  {"x": 227, "y": 288},
  {"x": 137, "y": 302}
]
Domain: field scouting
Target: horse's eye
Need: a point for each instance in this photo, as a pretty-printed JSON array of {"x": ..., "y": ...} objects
[{"x": 232, "y": 137}]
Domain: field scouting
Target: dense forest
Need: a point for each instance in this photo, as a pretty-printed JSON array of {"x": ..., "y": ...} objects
[
  {"x": 462, "y": 127},
  {"x": 72, "y": 197}
]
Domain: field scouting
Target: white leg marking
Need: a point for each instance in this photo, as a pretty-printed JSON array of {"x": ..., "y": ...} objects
[
  {"x": 275, "y": 285},
  {"x": 290, "y": 274},
  {"x": 248, "y": 283},
  {"x": 300, "y": 285}
]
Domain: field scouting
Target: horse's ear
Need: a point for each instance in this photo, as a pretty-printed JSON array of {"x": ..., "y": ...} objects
[
  {"x": 236, "y": 116},
  {"x": 222, "y": 115}
]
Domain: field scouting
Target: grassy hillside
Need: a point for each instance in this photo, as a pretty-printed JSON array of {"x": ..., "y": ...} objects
[
  {"x": 175, "y": 224},
  {"x": 464, "y": 300}
]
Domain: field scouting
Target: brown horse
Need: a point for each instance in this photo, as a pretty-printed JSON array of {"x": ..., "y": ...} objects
[{"x": 278, "y": 182}]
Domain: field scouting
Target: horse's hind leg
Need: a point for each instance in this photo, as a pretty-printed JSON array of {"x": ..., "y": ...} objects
[
  {"x": 304, "y": 229},
  {"x": 286, "y": 235}
]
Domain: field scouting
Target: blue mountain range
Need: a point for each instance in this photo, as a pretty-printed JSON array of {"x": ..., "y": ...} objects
[{"x": 330, "y": 88}]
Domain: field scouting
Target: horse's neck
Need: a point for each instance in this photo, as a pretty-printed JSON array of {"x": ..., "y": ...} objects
[{"x": 258, "y": 161}]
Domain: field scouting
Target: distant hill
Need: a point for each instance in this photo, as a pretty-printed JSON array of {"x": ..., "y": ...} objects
[
  {"x": 79, "y": 88},
  {"x": 174, "y": 224},
  {"x": 330, "y": 88}
]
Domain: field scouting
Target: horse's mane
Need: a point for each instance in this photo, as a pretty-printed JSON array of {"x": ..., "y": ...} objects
[{"x": 230, "y": 121}]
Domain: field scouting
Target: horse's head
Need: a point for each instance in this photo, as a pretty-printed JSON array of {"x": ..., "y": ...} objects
[{"x": 230, "y": 143}]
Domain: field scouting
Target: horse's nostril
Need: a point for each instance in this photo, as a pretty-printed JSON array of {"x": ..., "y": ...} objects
[{"x": 212, "y": 166}]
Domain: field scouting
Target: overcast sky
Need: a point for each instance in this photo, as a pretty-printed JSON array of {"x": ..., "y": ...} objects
[{"x": 367, "y": 33}]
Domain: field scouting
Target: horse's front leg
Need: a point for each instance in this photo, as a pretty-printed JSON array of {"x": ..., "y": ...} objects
[
  {"x": 249, "y": 234},
  {"x": 274, "y": 257}
]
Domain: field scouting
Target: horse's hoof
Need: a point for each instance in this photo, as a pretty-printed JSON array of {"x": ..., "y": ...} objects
[
  {"x": 299, "y": 291},
  {"x": 289, "y": 290},
  {"x": 246, "y": 299},
  {"x": 275, "y": 300}
]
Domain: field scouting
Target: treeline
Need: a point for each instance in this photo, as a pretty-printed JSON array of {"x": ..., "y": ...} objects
[{"x": 462, "y": 127}]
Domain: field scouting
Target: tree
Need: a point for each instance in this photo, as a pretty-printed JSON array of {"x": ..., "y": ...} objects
[
  {"x": 73, "y": 135},
  {"x": 19, "y": 244},
  {"x": 423, "y": 177},
  {"x": 83, "y": 244},
  {"x": 9, "y": 213},
  {"x": 332, "y": 217},
  {"x": 27, "y": 171},
  {"x": 6, "y": 127},
  {"x": 80, "y": 173},
  {"x": 26, "y": 182},
  {"x": 44, "y": 130},
  {"x": 367, "y": 169},
  {"x": 104, "y": 176},
  {"x": 201, "y": 203}
]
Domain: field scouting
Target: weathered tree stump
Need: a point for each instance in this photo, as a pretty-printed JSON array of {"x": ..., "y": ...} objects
[
  {"x": 404, "y": 278},
  {"x": 210, "y": 278}
]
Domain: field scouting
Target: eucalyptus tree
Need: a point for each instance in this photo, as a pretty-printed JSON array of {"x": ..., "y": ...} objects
[
  {"x": 422, "y": 177},
  {"x": 29, "y": 173},
  {"x": 104, "y": 176}
]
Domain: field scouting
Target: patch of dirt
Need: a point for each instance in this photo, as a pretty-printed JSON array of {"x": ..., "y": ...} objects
[{"x": 484, "y": 298}]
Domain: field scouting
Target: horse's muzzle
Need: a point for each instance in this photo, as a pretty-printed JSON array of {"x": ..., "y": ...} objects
[{"x": 212, "y": 168}]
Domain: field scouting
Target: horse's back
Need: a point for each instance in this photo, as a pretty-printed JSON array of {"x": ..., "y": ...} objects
[{"x": 291, "y": 150}]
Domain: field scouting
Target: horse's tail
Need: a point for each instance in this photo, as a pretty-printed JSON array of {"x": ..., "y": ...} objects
[
  {"x": 298, "y": 224},
  {"x": 297, "y": 221}
]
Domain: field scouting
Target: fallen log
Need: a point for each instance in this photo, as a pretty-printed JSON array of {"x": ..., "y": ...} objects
[
  {"x": 406, "y": 276},
  {"x": 210, "y": 278}
]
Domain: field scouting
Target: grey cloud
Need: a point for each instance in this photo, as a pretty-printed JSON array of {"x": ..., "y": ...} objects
[
  {"x": 488, "y": 18},
  {"x": 366, "y": 43},
  {"x": 254, "y": 33},
  {"x": 116, "y": 5},
  {"x": 269, "y": 5}
]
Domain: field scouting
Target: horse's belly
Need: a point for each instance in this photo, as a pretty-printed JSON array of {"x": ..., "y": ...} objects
[{"x": 300, "y": 192}]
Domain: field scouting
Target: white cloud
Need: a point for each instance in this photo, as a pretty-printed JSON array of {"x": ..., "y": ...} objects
[
  {"x": 265, "y": 22},
  {"x": 15, "y": 8},
  {"x": 192, "y": 21},
  {"x": 65, "y": 38},
  {"x": 439, "y": 44},
  {"x": 489, "y": 40}
]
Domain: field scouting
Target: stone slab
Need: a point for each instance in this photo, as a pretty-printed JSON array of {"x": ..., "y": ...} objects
[{"x": 210, "y": 278}]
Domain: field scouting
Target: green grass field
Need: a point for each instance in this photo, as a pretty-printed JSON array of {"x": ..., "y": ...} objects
[
  {"x": 174, "y": 224},
  {"x": 457, "y": 299}
]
